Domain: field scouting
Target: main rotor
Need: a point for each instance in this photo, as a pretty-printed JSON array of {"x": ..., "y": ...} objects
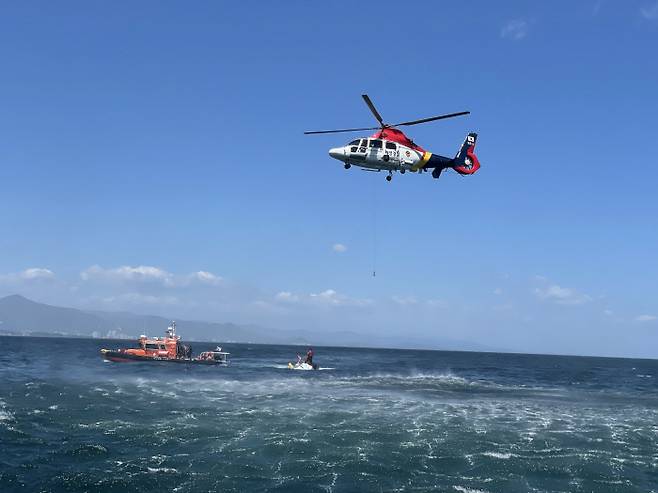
[{"x": 384, "y": 126}]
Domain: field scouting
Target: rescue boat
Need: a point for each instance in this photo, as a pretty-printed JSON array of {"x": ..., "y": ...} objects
[{"x": 165, "y": 349}]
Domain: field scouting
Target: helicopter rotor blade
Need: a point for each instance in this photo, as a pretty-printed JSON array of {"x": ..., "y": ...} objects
[
  {"x": 339, "y": 131},
  {"x": 373, "y": 109},
  {"x": 430, "y": 119}
]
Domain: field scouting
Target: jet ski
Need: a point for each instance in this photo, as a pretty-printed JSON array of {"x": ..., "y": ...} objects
[{"x": 302, "y": 365}]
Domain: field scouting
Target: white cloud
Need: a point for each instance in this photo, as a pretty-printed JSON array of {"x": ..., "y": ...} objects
[
  {"x": 418, "y": 302},
  {"x": 608, "y": 313},
  {"x": 562, "y": 296},
  {"x": 140, "y": 273},
  {"x": 148, "y": 274},
  {"x": 333, "y": 298},
  {"x": 650, "y": 12},
  {"x": 339, "y": 248},
  {"x": 31, "y": 274},
  {"x": 516, "y": 30},
  {"x": 328, "y": 297},
  {"x": 140, "y": 299},
  {"x": 645, "y": 318},
  {"x": 497, "y": 291},
  {"x": 206, "y": 277},
  {"x": 287, "y": 296},
  {"x": 37, "y": 273}
]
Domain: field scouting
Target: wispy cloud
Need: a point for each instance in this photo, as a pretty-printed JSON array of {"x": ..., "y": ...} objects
[
  {"x": 562, "y": 296},
  {"x": 328, "y": 297},
  {"x": 31, "y": 274},
  {"x": 286, "y": 297},
  {"x": 138, "y": 299},
  {"x": 650, "y": 12},
  {"x": 140, "y": 273},
  {"x": 515, "y": 30},
  {"x": 339, "y": 248},
  {"x": 646, "y": 318},
  {"x": 147, "y": 274},
  {"x": 37, "y": 273},
  {"x": 405, "y": 300},
  {"x": 333, "y": 298},
  {"x": 205, "y": 277},
  {"x": 413, "y": 301}
]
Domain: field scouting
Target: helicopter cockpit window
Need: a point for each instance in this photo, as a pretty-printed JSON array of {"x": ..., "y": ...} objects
[
  {"x": 376, "y": 144},
  {"x": 354, "y": 142},
  {"x": 391, "y": 145}
]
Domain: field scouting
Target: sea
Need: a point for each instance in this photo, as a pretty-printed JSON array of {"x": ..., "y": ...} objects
[{"x": 369, "y": 420}]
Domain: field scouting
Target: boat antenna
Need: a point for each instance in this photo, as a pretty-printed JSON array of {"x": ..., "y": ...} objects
[{"x": 171, "y": 330}]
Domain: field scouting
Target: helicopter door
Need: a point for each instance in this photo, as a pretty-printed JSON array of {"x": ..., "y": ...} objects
[
  {"x": 391, "y": 150},
  {"x": 375, "y": 151},
  {"x": 358, "y": 149}
]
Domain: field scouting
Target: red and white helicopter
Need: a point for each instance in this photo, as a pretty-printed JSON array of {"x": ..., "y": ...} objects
[{"x": 390, "y": 150}]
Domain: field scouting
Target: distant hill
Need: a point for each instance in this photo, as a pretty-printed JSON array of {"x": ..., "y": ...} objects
[{"x": 21, "y": 316}]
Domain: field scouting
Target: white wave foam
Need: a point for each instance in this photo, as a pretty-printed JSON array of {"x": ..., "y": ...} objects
[
  {"x": 499, "y": 455},
  {"x": 169, "y": 470},
  {"x": 422, "y": 377},
  {"x": 463, "y": 489},
  {"x": 5, "y": 415}
]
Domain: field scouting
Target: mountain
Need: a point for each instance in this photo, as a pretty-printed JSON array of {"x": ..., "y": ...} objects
[{"x": 21, "y": 316}]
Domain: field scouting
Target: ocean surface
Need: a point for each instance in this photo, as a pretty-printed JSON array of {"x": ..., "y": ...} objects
[{"x": 370, "y": 420}]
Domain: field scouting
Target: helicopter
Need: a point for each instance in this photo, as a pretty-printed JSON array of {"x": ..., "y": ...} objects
[{"x": 389, "y": 149}]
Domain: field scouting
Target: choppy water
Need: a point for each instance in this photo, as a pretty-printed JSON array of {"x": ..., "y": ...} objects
[{"x": 381, "y": 420}]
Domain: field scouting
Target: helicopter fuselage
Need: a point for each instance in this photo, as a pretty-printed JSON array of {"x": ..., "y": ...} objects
[
  {"x": 379, "y": 154},
  {"x": 387, "y": 150}
]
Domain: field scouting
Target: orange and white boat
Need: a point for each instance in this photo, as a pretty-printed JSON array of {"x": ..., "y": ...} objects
[{"x": 165, "y": 349}]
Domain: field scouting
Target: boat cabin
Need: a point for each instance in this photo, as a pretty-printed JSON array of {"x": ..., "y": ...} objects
[
  {"x": 217, "y": 355},
  {"x": 167, "y": 347}
]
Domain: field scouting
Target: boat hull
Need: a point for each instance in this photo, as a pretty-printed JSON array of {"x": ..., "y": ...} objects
[
  {"x": 122, "y": 357},
  {"x": 303, "y": 366}
]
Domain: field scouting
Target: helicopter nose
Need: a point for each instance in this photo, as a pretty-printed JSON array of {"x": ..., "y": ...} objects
[{"x": 337, "y": 153}]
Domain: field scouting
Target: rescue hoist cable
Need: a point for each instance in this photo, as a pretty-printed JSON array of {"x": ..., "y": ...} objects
[{"x": 374, "y": 228}]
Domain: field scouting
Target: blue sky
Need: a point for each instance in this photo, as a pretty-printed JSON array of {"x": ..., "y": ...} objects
[{"x": 153, "y": 160}]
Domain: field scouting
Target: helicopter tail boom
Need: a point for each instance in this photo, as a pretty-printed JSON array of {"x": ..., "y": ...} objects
[{"x": 464, "y": 163}]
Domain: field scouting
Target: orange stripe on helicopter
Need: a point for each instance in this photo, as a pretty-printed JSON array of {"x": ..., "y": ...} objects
[{"x": 423, "y": 162}]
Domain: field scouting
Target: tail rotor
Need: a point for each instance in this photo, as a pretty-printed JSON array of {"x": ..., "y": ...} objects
[{"x": 466, "y": 162}]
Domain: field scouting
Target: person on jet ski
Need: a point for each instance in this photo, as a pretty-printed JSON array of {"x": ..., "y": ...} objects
[{"x": 309, "y": 356}]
